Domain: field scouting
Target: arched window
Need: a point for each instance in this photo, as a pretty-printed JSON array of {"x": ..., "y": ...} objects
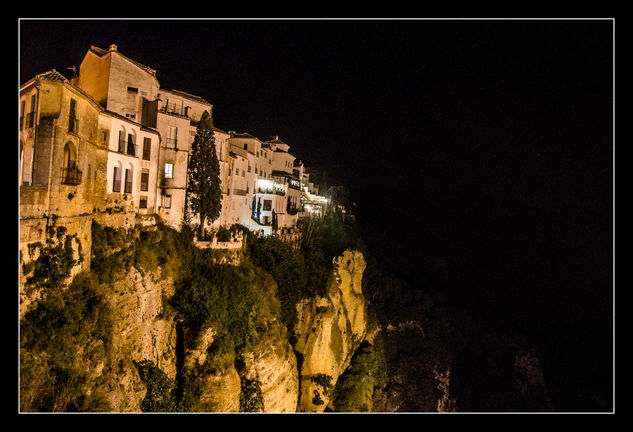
[
  {"x": 70, "y": 172},
  {"x": 131, "y": 143},
  {"x": 116, "y": 178},
  {"x": 122, "y": 140}
]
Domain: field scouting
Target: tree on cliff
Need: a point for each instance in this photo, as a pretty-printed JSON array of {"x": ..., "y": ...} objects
[{"x": 203, "y": 183}]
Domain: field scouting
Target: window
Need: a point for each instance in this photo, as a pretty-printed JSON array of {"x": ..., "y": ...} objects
[
  {"x": 128, "y": 180},
  {"x": 30, "y": 117},
  {"x": 122, "y": 142},
  {"x": 22, "y": 108},
  {"x": 144, "y": 180},
  {"x": 166, "y": 201},
  {"x": 147, "y": 148},
  {"x": 143, "y": 202},
  {"x": 132, "y": 90},
  {"x": 72, "y": 117},
  {"x": 267, "y": 205},
  {"x": 131, "y": 148},
  {"x": 171, "y": 139},
  {"x": 116, "y": 183},
  {"x": 169, "y": 170},
  {"x": 70, "y": 173}
]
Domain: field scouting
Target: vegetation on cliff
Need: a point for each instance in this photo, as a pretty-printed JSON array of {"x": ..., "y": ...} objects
[
  {"x": 66, "y": 336},
  {"x": 62, "y": 340}
]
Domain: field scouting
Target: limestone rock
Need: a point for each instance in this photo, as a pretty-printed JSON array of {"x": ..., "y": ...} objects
[
  {"x": 274, "y": 365},
  {"x": 329, "y": 329}
]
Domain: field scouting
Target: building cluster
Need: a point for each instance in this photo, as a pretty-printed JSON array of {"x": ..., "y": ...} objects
[{"x": 111, "y": 145}]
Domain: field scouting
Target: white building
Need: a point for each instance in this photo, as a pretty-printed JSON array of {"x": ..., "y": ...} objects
[
  {"x": 132, "y": 165},
  {"x": 283, "y": 173},
  {"x": 177, "y": 116},
  {"x": 130, "y": 89}
]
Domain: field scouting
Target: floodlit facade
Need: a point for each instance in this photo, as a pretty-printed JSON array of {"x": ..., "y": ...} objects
[
  {"x": 131, "y": 89},
  {"x": 132, "y": 166},
  {"x": 113, "y": 144},
  {"x": 283, "y": 173},
  {"x": 62, "y": 162}
]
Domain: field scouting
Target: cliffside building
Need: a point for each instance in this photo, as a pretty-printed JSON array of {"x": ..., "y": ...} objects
[
  {"x": 63, "y": 160},
  {"x": 112, "y": 144},
  {"x": 131, "y": 90}
]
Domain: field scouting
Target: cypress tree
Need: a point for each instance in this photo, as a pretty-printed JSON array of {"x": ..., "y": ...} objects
[{"x": 203, "y": 185}]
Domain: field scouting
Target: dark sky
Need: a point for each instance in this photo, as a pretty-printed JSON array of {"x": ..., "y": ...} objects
[{"x": 488, "y": 142}]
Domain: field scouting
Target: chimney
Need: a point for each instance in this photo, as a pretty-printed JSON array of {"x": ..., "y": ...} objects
[{"x": 113, "y": 47}]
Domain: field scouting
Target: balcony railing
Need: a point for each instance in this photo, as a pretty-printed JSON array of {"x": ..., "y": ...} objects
[
  {"x": 171, "y": 142},
  {"x": 71, "y": 176},
  {"x": 173, "y": 109}
]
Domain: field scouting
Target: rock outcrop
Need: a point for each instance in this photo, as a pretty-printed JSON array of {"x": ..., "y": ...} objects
[
  {"x": 273, "y": 364},
  {"x": 329, "y": 329}
]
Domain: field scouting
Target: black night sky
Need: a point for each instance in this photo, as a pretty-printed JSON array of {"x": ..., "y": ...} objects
[{"x": 487, "y": 143}]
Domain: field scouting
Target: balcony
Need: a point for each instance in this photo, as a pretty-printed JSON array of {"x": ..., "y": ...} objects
[
  {"x": 71, "y": 176},
  {"x": 171, "y": 142},
  {"x": 174, "y": 110}
]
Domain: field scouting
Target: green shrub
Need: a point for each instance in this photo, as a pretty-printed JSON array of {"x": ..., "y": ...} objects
[
  {"x": 53, "y": 266},
  {"x": 355, "y": 387},
  {"x": 161, "y": 390},
  {"x": 287, "y": 266},
  {"x": 251, "y": 397},
  {"x": 325, "y": 381},
  {"x": 62, "y": 338},
  {"x": 221, "y": 354},
  {"x": 228, "y": 298}
]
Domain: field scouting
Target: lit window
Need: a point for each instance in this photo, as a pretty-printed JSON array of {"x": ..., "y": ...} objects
[{"x": 169, "y": 170}]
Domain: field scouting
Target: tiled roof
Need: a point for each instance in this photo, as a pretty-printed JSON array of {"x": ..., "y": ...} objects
[
  {"x": 243, "y": 135},
  {"x": 275, "y": 141},
  {"x": 190, "y": 96},
  {"x": 101, "y": 52},
  {"x": 52, "y": 75}
]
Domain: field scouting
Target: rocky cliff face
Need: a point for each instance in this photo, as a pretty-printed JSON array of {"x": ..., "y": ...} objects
[
  {"x": 138, "y": 352},
  {"x": 329, "y": 330},
  {"x": 139, "y": 333}
]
